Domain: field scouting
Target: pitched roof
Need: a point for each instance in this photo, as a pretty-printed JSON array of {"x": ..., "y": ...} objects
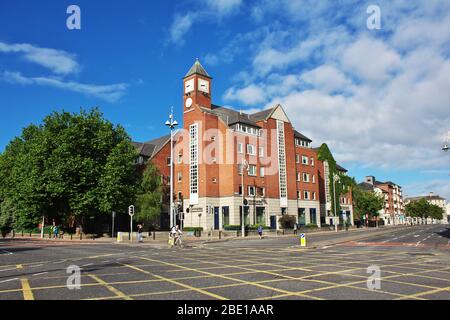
[
  {"x": 150, "y": 148},
  {"x": 433, "y": 197},
  {"x": 301, "y": 136},
  {"x": 197, "y": 68},
  {"x": 262, "y": 115},
  {"x": 366, "y": 186},
  {"x": 342, "y": 169},
  {"x": 231, "y": 116}
]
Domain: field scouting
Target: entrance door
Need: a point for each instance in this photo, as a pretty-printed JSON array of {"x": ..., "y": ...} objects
[
  {"x": 273, "y": 222},
  {"x": 216, "y": 219}
]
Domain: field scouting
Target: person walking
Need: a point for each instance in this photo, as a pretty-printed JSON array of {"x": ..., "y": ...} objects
[
  {"x": 140, "y": 230},
  {"x": 260, "y": 232},
  {"x": 55, "y": 231}
]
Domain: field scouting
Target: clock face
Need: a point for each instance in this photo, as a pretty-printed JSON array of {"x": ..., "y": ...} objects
[
  {"x": 189, "y": 103},
  {"x": 203, "y": 85},
  {"x": 189, "y": 86}
]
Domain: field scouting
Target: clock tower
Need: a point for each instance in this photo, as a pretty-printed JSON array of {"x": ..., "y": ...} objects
[{"x": 197, "y": 88}]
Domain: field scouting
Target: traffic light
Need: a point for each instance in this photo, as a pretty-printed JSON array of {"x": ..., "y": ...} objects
[{"x": 131, "y": 210}]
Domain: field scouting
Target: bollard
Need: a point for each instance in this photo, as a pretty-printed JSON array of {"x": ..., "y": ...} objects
[
  {"x": 154, "y": 235},
  {"x": 81, "y": 236},
  {"x": 71, "y": 235},
  {"x": 22, "y": 233},
  {"x": 220, "y": 235}
]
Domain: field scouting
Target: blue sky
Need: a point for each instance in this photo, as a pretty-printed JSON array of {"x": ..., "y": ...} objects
[{"x": 379, "y": 98}]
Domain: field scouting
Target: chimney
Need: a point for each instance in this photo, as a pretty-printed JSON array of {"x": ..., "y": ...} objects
[{"x": 370, "y": 179}]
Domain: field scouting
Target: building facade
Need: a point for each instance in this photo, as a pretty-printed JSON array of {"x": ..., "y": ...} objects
[
  {"x": 393, "y": 212},
  {"x": 433, "y": 199},
  {"x": 230, "y": 165}
]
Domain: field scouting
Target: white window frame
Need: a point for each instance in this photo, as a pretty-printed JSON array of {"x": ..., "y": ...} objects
[
  {"x": 251, "y": 150},
  {"x": 307, "y": 195},
  {"x": 251, "y": 194},
  {"x": 180, "y": 177},
  {"x": 240, "y": 148},
  {"x": 298, "y": 177},
  {"x": 261, "y": 152},
  {"x": 262, "y": 172},
  {"x": 312, "y": 162},
  {"x": 305, "y": 162},
  {"x": 252, "y": 170},
  {"x": 305, "y": 175}
]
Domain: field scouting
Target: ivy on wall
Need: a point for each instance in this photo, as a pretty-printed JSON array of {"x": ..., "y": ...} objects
[{"x": 345, "y": 183}]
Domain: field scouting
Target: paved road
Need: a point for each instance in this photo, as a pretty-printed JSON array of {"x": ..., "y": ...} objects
[{"x": 266, "y": 269}]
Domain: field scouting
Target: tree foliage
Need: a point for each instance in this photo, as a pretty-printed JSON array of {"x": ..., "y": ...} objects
[
  {"x": 365, "y": 202},
  {"x": 149, "y": 198},
  {"x": 72, "y": 165},
  {"x": 423, "y": 209}
]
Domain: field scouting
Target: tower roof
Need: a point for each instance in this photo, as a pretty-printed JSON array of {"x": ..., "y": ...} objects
[{"x": 197, "y": 68}]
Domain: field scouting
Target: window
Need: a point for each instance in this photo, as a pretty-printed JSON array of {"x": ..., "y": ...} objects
[
  {"x": 314, "y": 196},
  {"x": 240, "y": 148},
  {"x": 298, "y": 176},
  {"x": 282, "y": 160},
  {"x": 312, "y": 161},
  {"x": 299, "y": 195},
  {"x": 214, "y": 180},
  {"x": 261, "y": 152},
  {"x": 180, "y": 158},
  {"x": 305, "y": 177},
  {"x": 168, "y": 161},
  {"x": 305, "y": 160},
  {"x": 193, "y": 147},
  {"x": 251, "y": 191},
  {"x": 252, "y": 170},
  {"x": 180, "y": 176},
  {"x": 262, "y": 172},
  {"x": 240, "y": 169},
  {"x": 213, "y": 138},
  {"x": 306, "y": 195},
  {"x": 261, "y": 192},
  {"x": 314, "y": 178},
  {"x": 240, "y": 190},
  {"x": 251, "y": 150},
  {"x": 297, "y": 158}
]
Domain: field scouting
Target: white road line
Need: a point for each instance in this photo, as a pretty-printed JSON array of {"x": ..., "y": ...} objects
[
  {"x": 59, "y": 262},
  {"x": 87, "y": 265},
  {"x": 9, "y": 280},
  {"x": 6, "y": 252},
  {"x": 417, "y": 235},
  {"x": 39, "y": 274},
  {"x": 417, "y": 244},
  {"x": 37, "y": 265}
]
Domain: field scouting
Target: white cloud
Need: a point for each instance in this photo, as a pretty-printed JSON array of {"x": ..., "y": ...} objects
[
  {"x": 180, "y": 27},
  {"x": 379, "y": 99},
  {"x": 110, "y": 93},
  {"x": 58, "y": 61},
  {"x": 223, "y": 7},
  {"x": 250, "y": 95},
  {"x": 206, "y": 10}
]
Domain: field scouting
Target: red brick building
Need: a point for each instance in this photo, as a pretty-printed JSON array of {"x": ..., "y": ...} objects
[{"x": 218, "y": 148}]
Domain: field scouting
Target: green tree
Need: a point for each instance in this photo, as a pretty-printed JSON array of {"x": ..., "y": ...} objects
[
  {"x": 423, "y": 209},
  {"x": 366, "y": 203},
  {"x": 149, "y": 199},
  {"x": 73, "y": 165}
]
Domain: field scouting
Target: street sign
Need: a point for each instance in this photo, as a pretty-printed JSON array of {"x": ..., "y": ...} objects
[{"x": 303, "y": 240}]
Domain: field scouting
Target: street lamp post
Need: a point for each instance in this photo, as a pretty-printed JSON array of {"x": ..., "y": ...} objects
[
  {"x": 171, "y": 123},
  {"x": 244, "y": 164},
  {"x": 335, "y": 178}
]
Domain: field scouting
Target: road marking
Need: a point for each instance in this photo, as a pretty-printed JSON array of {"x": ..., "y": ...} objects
[
  {"x": 88, "y": 265},
  {"x": 26, "y": 290},
  {"x": 216, "y": 296},
  {"x": 117, "y": 292},
  {"x": 39, "y": 274},
  {"x": 417, "y": 235},
  {"x": 35, "y": 266},
  {"x": 19, "y": 266},
  {"x": 6, "y": 252},
  {"x": 9, "y": 280}
]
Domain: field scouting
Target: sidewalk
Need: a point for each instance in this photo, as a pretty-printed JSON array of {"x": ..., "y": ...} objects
[{"x": 161, "y": 238}]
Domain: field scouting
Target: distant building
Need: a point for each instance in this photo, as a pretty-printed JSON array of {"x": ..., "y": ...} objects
[
  {"x": 432, "y": 199},
  {"x": 393, "y": 212}
]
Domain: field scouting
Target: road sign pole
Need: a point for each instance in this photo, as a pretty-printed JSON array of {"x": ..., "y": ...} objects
[{"x": 131, "y": 214}]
